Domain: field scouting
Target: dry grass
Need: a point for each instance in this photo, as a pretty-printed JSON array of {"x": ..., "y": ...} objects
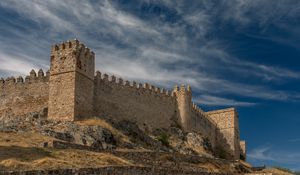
[
  {"x": 58, "y": 159},
  {"x": 245, "y": 164},
  {"x": 276, "y": 171},
  {"x": 210, "y": 167},
  {"x": 28, "y": 139},
  {"x": 119, "y": 136},
  {"x": 21, "y": 152}
]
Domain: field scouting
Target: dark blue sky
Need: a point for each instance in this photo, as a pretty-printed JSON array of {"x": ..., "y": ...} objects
[{"x": 242, "y": 53}]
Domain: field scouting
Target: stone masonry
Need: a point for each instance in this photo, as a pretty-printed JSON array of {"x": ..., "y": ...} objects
[
  {"x": 72, "y": 91},
  {"x": 71, "y": 82}
]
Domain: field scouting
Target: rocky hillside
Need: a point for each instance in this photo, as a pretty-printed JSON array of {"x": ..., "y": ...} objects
[{"x": 31, "y": 143}]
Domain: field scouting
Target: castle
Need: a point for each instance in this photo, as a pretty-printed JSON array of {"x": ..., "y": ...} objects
[{"x": 72, "y": 91}]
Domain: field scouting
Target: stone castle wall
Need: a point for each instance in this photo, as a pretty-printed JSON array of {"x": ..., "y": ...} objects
[
  {"x": 19, "y": 96},
  {"x": 199, "y": 122},
  {"x": 227, "y": 122},
  {"x": 148, "y": 106},
  {"x": 145, "y": 104},
  {"x": 71, "y": 91}
]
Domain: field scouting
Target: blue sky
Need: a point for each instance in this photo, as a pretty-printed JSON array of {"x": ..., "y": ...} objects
[{"x": 242, "y": 53}]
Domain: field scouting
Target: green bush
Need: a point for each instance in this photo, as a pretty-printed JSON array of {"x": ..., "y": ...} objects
[
  {"x": 207, "y": 145},
  {"x": 164, "y": 139},
  {"x": 242, "y": 157},
  {"x": 220, "y": 152}
]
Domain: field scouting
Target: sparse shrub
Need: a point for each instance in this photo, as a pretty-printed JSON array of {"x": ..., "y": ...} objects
[
  {"x": 242, "y": 157},
  {"x": 221, "y": 153},
  {"x": 164, "y": 139},
  {"x": 206, "y": 144}
]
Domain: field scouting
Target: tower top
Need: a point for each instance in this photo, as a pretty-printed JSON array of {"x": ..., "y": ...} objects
[
  {"x": 71, "y": 44},
  {"x": 72, "y": 56}
]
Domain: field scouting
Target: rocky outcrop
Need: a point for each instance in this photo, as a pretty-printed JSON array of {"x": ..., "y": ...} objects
[
  {"x": 93, "y": 137},
  {"x": 163, "y": 151},
  {"x": 137, "y": 136}
]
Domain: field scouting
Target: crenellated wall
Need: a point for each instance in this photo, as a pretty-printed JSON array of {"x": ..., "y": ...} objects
[
  {"x": 191, "y": 117},
  {"x": 199, "y": 122},
  {"x": 72, "y": 91},
  {"x": 145, "y": 104},
  {"x": 194, "y": 119},
  {"x": 19, "y": 96}
]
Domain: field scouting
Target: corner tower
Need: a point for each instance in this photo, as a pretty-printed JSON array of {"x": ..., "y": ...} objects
[
  {"x": 228, "y": 124},
  {"x": 71, "y": 85}
]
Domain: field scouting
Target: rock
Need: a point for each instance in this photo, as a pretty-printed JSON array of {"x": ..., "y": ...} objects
[
  {"x": 194, "y": 140},
  {"x": 59, "y": 135},
  {"x": 24, "y": 123},
  {"x": 176, "y": 132},
  {"x": 137, "y": 135},
  {"x": 188, "y": 143},
  {"x": 96, "y": 137}
]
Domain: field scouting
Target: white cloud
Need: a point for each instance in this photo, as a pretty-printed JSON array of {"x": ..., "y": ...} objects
[
  {"x": 142, "y": 49},
  {"x": 266, "y": 153},
  {"x": 15, "y": 65},
  {"x": 261, "y": 154},
  {"x": 295, "y": 140},
  {"x": 212, "y": 100}
]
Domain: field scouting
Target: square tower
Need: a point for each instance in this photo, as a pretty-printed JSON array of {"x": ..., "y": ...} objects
[
  {"x": 228, "y": 124},
  {"x": 71, "y": 84}
]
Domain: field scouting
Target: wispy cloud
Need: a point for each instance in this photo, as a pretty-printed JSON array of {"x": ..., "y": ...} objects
[
  {"x": 294, "y": 140},
  {"x": 16, "y": 65},
  {"x": 161, "y": 49},
  {"x": 267, "y": 153},
  {"x": 261, "y": 153},
  {"x": 213, "y": 101}
]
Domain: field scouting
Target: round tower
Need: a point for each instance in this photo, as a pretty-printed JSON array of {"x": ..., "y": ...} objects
[{"x": 184, "y": 103}]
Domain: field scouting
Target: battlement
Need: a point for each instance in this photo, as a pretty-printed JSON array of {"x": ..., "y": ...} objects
[
  {"x": 21, "y": 95},
  {"x": 182, "y": 89},
  {"x": 31, "y": 78},
  {"x": 72, "y": 56},
  {"x": 200, "y": 112},
  {"x": 72, "y": 45},
  {"x": 112, "y": 80}
]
